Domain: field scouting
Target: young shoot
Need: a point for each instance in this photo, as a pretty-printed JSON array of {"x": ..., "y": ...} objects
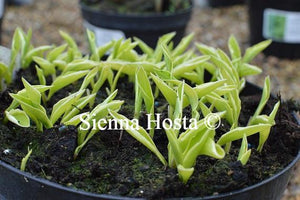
[
  {"x": 90, "y": 123},
  {"x": 30, "y": 102},
  {"x": 25, "y": 160},
  {"x": 143, "y": 92},
  {"x": 18, "y": 117},
  {"x": 257, "y": 118},
  {"x": 244, "y": 153},
  {"x": 190, "y": 144},
  {"x": 139, "y": 133}
]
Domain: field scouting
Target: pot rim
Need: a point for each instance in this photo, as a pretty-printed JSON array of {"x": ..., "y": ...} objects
[{"x": 87, "y": 8}]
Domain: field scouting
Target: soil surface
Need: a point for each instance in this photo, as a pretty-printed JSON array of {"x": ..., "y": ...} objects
[{"x": 114, "y": 163}]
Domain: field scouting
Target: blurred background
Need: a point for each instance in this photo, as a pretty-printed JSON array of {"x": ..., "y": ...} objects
[{"x": 211, "y": 25}]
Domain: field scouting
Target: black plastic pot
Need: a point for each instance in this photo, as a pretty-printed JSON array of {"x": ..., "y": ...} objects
[
  {"x": 277, "y": 20},
  {"x": 20, "y": 2},
  {"x": 223, "y": 3},
  {"x": 148, "y": 27},
  {"x": 15, "y": 184}
]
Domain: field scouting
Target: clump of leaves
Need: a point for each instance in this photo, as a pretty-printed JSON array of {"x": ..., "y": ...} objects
[{"x": 176, "y": 74}]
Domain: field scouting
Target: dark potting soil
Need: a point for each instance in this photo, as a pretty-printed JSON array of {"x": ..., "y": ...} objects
[{"x": 114, "y": 163}]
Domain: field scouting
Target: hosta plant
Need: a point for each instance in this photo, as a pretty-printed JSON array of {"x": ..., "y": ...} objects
[{"x": 170, "y": 87}]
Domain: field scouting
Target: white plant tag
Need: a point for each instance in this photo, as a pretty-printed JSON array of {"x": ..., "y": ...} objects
[
  {"x": 104, "y": 35},
  {"x": 2, "y": 5},
  {"x": 281, "y": 26}
]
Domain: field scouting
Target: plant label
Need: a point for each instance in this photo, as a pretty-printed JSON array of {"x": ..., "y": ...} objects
[
  {"x": 2, "y": 5},
  {"x": 281, "y": 26}
]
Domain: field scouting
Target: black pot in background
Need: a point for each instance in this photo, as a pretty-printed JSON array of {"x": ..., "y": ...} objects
[
  {"x": 223, "y": 3},
  {"x": 20, "y": 2},
  {"x": 15, "y": 184},
  {"x": 269, "y": 18},
  {"x": 148, "y": 27}
]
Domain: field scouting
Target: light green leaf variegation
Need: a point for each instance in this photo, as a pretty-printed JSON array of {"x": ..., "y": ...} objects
[
  {"x": 35, "y": 52},
  {"x": 166, "y": 90},
  {"x": 189, "y": 65},
  {"x": 18, "y": 117},
  {"x": 92, "y": 43},
  {"x": 183, "y": 45},
  {"x": 253, "y": 51},
  {"x": 185, "y": 173},
  {"x": 64, "y": 80},
  {"x": 144, "y": 47},
  {"x": 247, "y": 70},
  {"x": 264, "y": 98},
  {"x": 47, "y": 66},
  {"x": 54, "y": 53},
  {"x": 238, "y": 133},
  {"x": 25, "y": 160},
  {"x": 234, "y": 48},
  {"x": 63, "y": 105},
  {"x": 244, "y": 153},
  {"x": 139, "y": 133}
]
